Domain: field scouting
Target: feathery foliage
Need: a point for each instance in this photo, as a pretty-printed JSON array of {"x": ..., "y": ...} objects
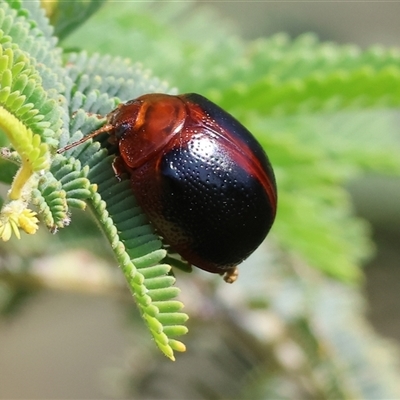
[
  {"x": 322, "y": 111},
  {"x": 49, "y": 101}
]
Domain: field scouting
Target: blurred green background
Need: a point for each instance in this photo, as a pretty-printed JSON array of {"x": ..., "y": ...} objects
[{"x": 66, "y": 357}]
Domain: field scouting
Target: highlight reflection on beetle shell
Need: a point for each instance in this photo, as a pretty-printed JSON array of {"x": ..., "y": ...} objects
[{"x": 203, "y": 180}]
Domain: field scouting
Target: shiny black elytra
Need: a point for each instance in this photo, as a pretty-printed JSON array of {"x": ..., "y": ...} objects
[{"x": 203, "y": 180}]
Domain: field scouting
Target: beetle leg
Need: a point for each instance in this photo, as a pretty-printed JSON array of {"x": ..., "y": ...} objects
[
  {"x": 118, "y": 167},
  {"x": 231, "y": 275}
]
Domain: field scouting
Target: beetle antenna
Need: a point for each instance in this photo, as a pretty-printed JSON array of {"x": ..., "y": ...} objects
[{"x": 104, "y": 128}]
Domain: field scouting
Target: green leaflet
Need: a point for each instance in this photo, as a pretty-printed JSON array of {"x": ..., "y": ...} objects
[
  {"x": 22, "y": 96},
  {"x": 65, "y": 185},
  {"x": 320, "y": 92},
  {"x": 139, "y": 252},
  {"x": 67, "y": 16}
]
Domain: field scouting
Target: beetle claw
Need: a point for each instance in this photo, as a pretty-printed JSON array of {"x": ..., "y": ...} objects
[{"x": 231, "y": 275}]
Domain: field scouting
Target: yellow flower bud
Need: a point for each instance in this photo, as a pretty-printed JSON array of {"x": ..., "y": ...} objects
[{"x": 28, "y": 222}]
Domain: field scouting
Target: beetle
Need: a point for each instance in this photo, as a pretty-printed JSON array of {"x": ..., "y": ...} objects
[{"x": 200, "y": 176}]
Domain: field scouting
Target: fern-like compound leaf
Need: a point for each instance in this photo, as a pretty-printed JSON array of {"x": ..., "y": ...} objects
[{"x": 140, "y": 254}]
